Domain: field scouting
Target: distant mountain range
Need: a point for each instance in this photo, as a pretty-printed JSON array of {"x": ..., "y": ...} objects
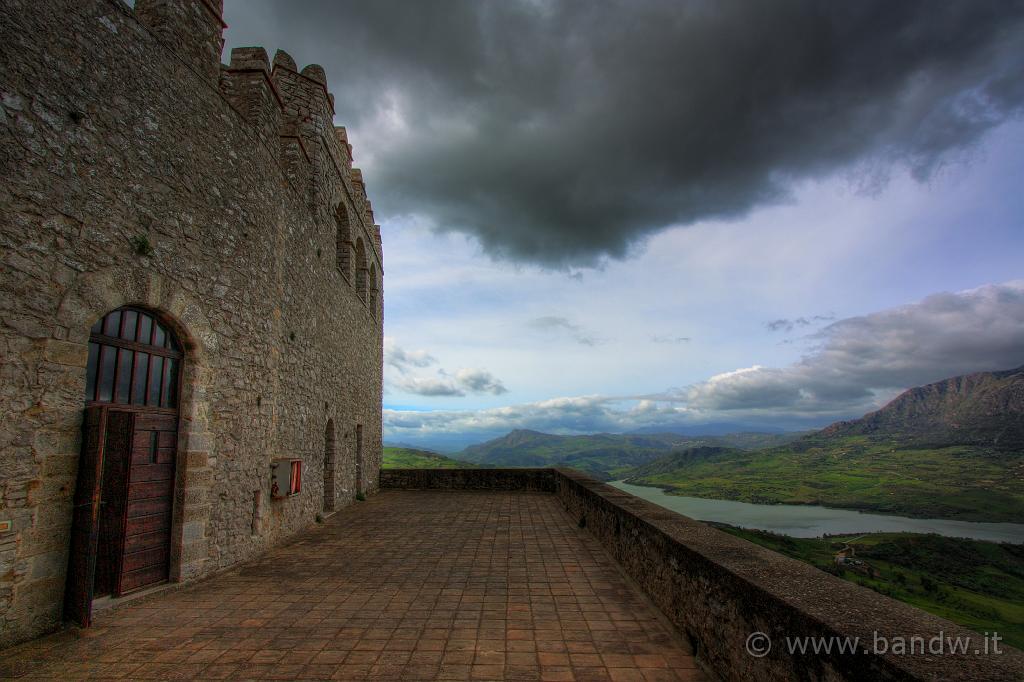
[
  {"x": 455, "y": 443},
  {"x": 710, "y": 429},
  {"x": 983, "y": 409},
  {"x": 951, "y": 449},
  {"x": 604, "y": 455}
]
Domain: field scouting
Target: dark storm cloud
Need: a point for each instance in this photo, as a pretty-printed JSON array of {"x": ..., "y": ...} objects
[{"x": 563, "y": 132}]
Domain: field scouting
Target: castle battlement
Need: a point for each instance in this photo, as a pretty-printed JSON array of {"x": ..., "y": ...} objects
[
  {"x": 291, "y": 111},
  {"x": 307, "y": 122}
]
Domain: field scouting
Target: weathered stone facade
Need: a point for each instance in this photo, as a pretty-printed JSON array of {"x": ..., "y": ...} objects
[{"x": 138, "y": 170}]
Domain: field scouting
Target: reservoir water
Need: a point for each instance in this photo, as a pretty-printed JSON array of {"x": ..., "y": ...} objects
[{"x": 809, "y": 521}]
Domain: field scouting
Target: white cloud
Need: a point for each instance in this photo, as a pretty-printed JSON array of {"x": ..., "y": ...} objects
[
  {"x": 479, "y": 381},
  {"x": 860, "y": 358},
  {"x": 403, "y": 360},
  {"x": 430, "y": 386},
  {"x": 857, "y": 363},
  {"x": 788, "y": 325},
  {"x": 401, "y": 375},
  {"x": 556, "y": 324},
  {"x": 580, "y": 414}
]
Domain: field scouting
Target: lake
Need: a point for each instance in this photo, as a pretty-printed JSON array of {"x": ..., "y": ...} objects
[{"x": 809, "y": 521}]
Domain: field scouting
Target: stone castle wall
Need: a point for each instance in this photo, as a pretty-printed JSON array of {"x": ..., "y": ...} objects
[{"x": 136, "y": 169}]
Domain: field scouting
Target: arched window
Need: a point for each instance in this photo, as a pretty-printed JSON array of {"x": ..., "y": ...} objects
[
  {"x": 133, "y": 360},
  {"x": 373, "y": 302},
  {"x": 344, "y": 241},
  {"x": 361, "y": 269}
]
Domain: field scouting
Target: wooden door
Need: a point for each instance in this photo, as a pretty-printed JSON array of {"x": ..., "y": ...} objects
[
  {"x": 85, "y": 520},
  {"x": 110, "y": 545},
  {"x": 149, "y": 502},
  {"x": 137, "y": 496}
]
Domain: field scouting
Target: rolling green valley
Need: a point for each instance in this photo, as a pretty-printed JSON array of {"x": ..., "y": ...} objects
[
  {"x": 979, "y": 585},
  {"x": 852, "y": 472},
  {"x": 412, "y": 458},
  {"x": 606, "y": 456}
]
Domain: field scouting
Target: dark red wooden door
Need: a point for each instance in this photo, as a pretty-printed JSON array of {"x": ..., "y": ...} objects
[
  {"x": 110, "y": 548},
  {"x": 85, "y": 520},
  {"x": 149, "y": 501}
]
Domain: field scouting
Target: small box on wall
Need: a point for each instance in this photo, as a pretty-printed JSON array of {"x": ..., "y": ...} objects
[{"x": 286, "y": 477}]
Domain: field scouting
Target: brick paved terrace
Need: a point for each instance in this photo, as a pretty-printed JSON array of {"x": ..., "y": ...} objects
[
  {"x": 412, "y": 585},
  {"x": 525, "y": 574}
]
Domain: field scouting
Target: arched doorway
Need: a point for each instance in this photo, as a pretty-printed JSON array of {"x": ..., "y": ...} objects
[
  {"x": 329, "y": 447},
  {"x": 121, "y": 529}
]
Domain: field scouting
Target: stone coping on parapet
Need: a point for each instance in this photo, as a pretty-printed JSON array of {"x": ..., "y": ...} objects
[
  {"x": 543, "y": 480},
  {"x": 729, "y": 597}
]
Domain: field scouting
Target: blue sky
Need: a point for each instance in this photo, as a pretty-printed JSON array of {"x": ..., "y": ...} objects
[
  {"x": 697, "y": 301},
  {"x": 609, "y": 219}
]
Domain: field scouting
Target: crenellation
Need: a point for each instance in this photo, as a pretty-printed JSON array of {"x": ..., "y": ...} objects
[
  {"x": 284, "y": 60},
  {"x": 357, "y": 182},
  {"x": 246, "y": 83},
  {"x": 341, "y": 134},
  {"x": 315, "y": 72},
  {"x": 307, "y": 113},
  {"x": 249, "y": 58}
]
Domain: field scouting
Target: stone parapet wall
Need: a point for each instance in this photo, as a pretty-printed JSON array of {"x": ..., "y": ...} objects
[
  {"x": 543, "y": 480},
  {"x": 718, "y": 590}
]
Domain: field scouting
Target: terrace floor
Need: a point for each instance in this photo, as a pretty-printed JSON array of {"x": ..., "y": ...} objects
[{"x": 410, "y": 585}]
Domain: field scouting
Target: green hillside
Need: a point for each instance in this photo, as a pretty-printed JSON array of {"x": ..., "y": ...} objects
[
  {"x": 601, "y": 455},
  {"x": 979, "y": 585},
  {"x": 670, "y": 464},
  {"x": 950, "y": 449},
  {"x": 605, "y": 456},
  {"x": 411, "y": 458},
  {"x": 856, "y": 472}
]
